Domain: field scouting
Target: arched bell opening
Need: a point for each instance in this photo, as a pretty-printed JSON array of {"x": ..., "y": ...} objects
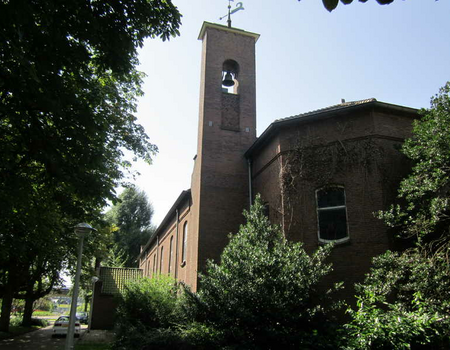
[{"x": 230, "y": 73}]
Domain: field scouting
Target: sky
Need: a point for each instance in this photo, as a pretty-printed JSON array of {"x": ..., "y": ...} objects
[{"x": 306, "y": 58}]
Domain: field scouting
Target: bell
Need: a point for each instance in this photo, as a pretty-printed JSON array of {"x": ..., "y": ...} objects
[{"x": 228, "y": 80}]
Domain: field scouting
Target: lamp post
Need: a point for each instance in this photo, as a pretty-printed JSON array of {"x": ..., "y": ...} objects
[{"x": 80, "y": 230}]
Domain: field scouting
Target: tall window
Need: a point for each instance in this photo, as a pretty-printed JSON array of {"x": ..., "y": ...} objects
[
  {"x": 184, "y": 248},
  {"x": 154, "y": 264},
  {"x": 332, "y": 214},
  {"x": 170, "y": 254},
  {"x": 161, "y": 260}
]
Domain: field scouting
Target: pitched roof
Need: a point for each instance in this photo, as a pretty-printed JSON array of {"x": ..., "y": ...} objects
[
  {"x": 326, "y": 112},
  {"x": 329, "y": 109}
]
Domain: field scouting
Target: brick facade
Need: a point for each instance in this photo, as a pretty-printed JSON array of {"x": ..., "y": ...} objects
[{"x": 358, "y": 140}]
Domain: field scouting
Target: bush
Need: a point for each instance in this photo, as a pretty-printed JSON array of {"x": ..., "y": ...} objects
[
  {"x": 264, "y": 293},
  {"x": 146, "y": 313},
  {"x": 404, "y": 303},
  {"x": 35, "y": 322},
  {"x": 39, "y": 322}
]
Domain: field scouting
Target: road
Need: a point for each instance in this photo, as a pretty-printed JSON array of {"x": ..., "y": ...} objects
[{"x": 37, "y": 340}]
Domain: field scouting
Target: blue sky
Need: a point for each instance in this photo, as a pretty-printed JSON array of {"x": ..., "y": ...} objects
[{"x": 306, "y": 59}]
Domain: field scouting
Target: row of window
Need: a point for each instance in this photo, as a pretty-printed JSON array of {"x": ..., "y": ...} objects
[
  {"x": 332, "y": 225},
  {"x": 159, "y": 266}
]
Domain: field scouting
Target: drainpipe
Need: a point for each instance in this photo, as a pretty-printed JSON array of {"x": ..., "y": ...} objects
[
  {"x": 250, "y": 194},
  {"x": 176, "y": 245}
]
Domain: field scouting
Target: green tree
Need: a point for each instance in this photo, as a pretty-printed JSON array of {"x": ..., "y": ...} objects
[
  {"x": 132, "y": 216},
  {"x": 330, "y": 5},
  {"x": 265, "y": 292},
  {"x": 403, "y": 303},
  {"x": 68, "y": 88},
  {"x": 405, "y": 298},
  {"x": 423, "y": 208}
]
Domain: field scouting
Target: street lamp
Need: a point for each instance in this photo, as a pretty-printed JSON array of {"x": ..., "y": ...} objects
[{"x": 80, "y": 230}]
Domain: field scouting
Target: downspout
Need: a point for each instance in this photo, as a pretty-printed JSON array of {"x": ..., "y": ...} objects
[
  {"x": 250, "y": 194},
  {"x": 176, "y": 245}
]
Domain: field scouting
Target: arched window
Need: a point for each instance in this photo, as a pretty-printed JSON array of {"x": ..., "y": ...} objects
[
  {"x": 161, "y": 260},
  {"x": 184, "y": 248},
  {"x": 332, "y": 214},
  {"x": 154, "y": 264},
  {"x": 230, "y": 73},
  {"x": 170, "y": 255}
]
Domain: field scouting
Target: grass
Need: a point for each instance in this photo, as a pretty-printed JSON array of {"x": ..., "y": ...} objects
[
  {"x": 92, "y": 346},
  {"x": 42, "y": 313}
]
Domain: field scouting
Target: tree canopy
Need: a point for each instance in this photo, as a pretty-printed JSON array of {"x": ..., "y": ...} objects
[
  {"x": 330, "y": 5},
  {"x": 423, "y": 210},
  {"x": 68, "y": 89},
  {"x": 404, "y": 301},
  {"x": 132, "y": 217}
]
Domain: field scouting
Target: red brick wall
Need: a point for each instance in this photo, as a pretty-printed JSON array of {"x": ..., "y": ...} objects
[{"x": 368, "y": 188}]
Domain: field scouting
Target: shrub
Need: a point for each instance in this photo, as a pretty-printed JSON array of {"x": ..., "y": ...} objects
[
  {"x": 264, "y": 293},
  {"x": 146, "y": 310},
  {"x": 404, "y": 303}
]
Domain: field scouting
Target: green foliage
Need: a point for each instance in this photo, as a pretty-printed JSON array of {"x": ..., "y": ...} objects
[
  {"x": 146, "y": 312},
  {"x": 44, "y": 304},
  {"x": 116, "y": 257},
  {"x": 35, "y": 322},
  {"x": 330, "y": 5},
  {"x": 425, "y": 193},
  {"x": 68, "y": 90},
  {"x": 404, "y": 302},
  {"x": 132, "y": 217},
  {"x": 265, "y": 291}
]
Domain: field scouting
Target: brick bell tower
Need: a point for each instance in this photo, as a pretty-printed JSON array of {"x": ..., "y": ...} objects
[{"x": 227, "y": 128}]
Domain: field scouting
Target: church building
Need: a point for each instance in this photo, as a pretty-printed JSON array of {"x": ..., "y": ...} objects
[{"x": 322, "y": 174}]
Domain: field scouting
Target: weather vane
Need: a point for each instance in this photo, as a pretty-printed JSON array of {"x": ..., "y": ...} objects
[{"x": 239, "y": 6}]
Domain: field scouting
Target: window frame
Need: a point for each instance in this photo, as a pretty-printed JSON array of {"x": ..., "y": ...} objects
[
  {"x": 170, "y": 255},
  {"x": 340, "y": 240},
  {"x": 184, "y": 245},
  {"x": 161, "y": 259}
]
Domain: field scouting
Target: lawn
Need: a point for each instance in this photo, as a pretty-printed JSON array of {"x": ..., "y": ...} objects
[{"x": 92, "y": 346}]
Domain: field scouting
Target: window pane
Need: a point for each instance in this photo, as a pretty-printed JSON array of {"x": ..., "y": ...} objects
[
  {"x": 330, "y": 197},
  {"x": 183, "y": 253},
  {"x": 332, "y": 224}
]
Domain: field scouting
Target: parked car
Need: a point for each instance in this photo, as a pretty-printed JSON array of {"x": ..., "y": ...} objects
[
  {"x": 61, "y": 327},
  {"x": 82, "y": 317}
]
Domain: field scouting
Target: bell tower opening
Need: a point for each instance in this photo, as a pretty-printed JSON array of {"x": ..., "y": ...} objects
[{"x": 230, "y": 73}]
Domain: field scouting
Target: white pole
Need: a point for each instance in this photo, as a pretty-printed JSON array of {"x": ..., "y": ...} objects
[{"x": 73, "y": 307}]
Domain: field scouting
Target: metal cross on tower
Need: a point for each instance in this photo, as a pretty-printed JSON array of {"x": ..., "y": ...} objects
[{"x": 239, "y": 6}]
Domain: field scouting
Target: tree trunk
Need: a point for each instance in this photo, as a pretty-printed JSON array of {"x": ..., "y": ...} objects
[
  {"x": 28, "y": 311},
  {"x": 6, "y": 308},
  {"x": 86, "y": 302}
]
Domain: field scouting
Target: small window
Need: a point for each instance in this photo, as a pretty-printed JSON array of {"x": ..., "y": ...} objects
[
  {"x": 184, "y": 248},
  {"x": 161, "y": 260},
  {"x": 170, "y": 255},
  {"x": 332, "y": 214}
]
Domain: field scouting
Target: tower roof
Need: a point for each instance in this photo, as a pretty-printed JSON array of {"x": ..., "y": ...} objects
[{"x": 225, "y": 28}]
